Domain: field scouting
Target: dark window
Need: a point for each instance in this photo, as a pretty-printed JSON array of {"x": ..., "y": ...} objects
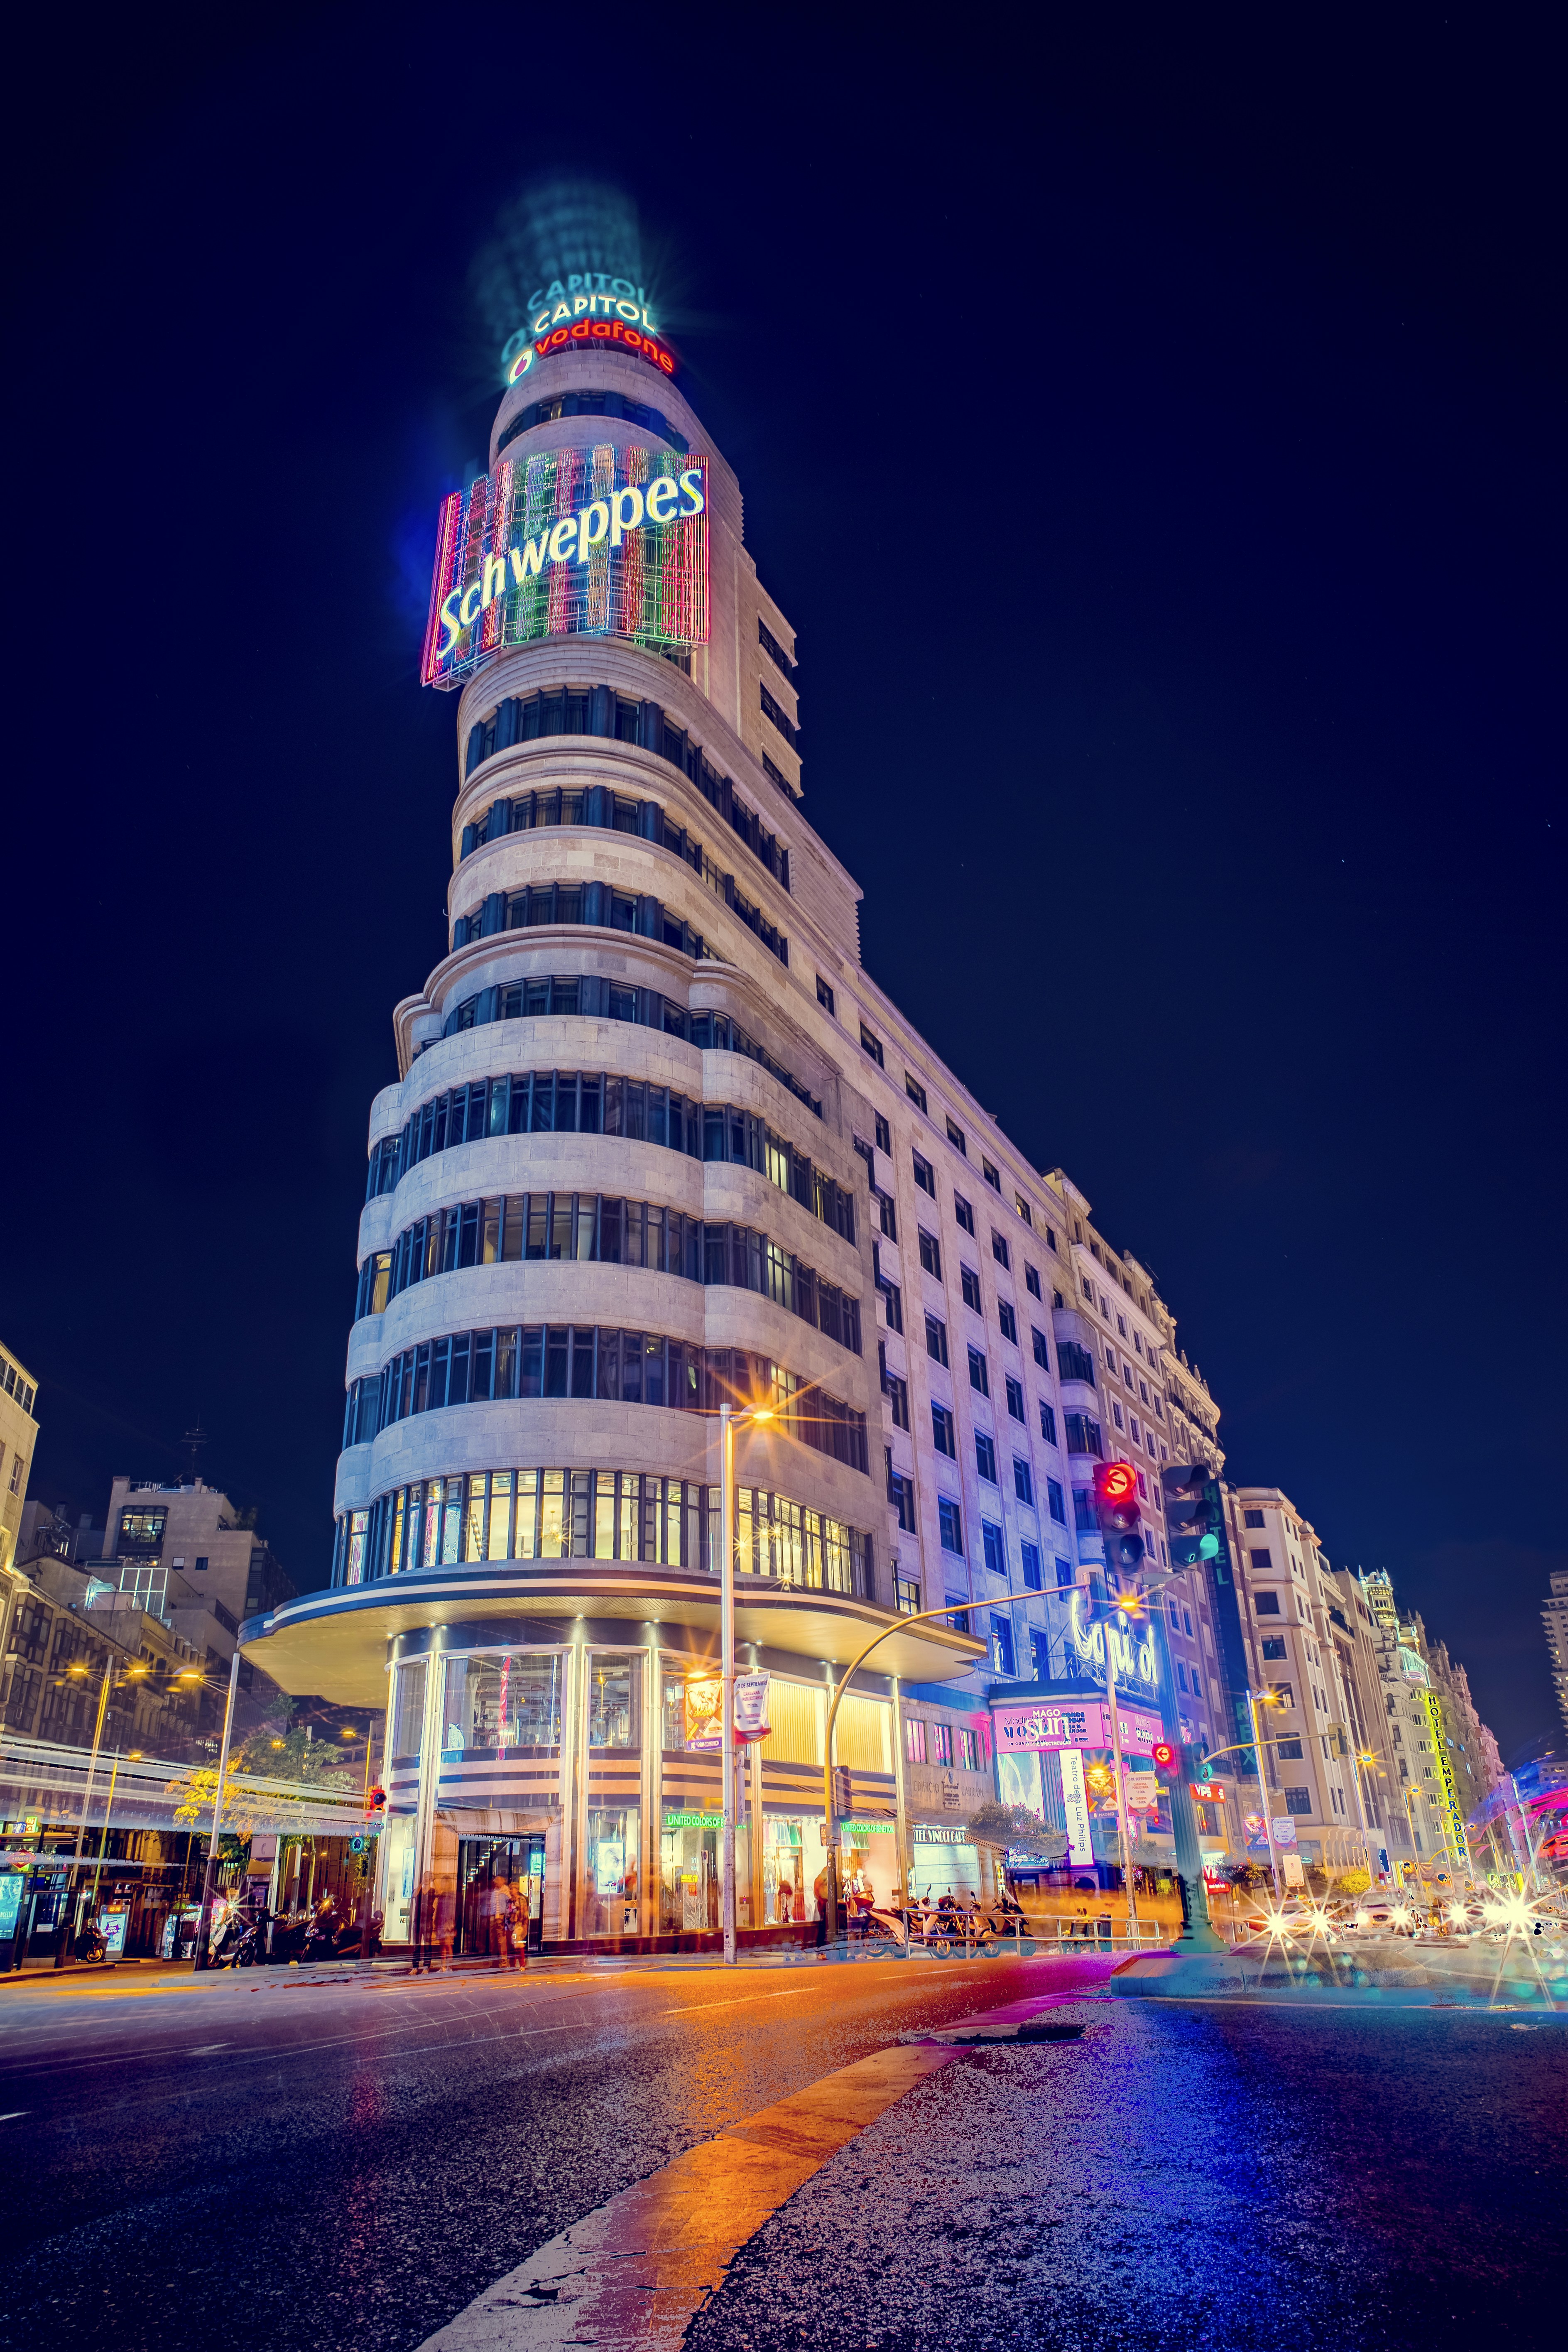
[
  {"x": 1056, "y": 1503},
  {"x": 955, "y": 1137},
  {"x": 893, "y": 1303},
  {"x": 915, "y": 1091},
  {"x": 977, "y": 1374},
  {"x": 1083, "y": 1435},
  {"x": 964, "y": 1212},
  {"x": 941, "y": 1430},
  {"x": 1274, "y": 1645},
  {"x": 1288, "y": 1751},
  {"x": 969, "y": 1283},
  {"x": 986, "y": 1457},
  {"x": 1001, "y": 1647},
  {"x": 1266, "y": 1604},
  {"x": 1065, "y": 1576},
  {"x": 780, "y": 719},
  {"x": 1252, "y": 1518},
  {"x": 1033, "y": 1580},
  {"x": 1016, "y": 1398},
  {"x": 936, "y": 1339},
  {"x": 1298, "y": 1801},
  {"x": 774, "y": 650},
  {"x": 1007, "y": 1320},
  {"x": 1032, "y": 1282},
  {"x": 950, "y": 1521},
  {"x": 887, "y": 1217},
  {"x": 992, "y": 1175},
  {"x": 1047, "y": 1423},
  {"x": 1260, "y": 1560},
  {"x": 925, "y": 1175},
  {"x": 1038, "y": 1342},
  {"x": 901, "y": 1495},
  {"x": 930, "y": 1253},
  {"x": 999, "y": 1250},
  {"x": 1073, "y": 1363},
  {"x": 1023, "y": 1479},
  {"x": 873, "y": 1045},
  {"x": 884, "y": 1139},
  {"x": 825, "y": 996},
  {"x": 992, "y": 1544},
  {"x": 897, "y": 1393}
]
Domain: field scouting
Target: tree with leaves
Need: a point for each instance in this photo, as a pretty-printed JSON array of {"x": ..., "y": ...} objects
[{"x": 1016, "y": 1827}]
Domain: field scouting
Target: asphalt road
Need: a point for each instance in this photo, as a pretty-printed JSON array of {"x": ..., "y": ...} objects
[{"x": 290, "y": 2165}]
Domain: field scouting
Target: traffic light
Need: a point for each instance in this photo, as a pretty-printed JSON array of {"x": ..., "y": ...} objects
[
  {"x": 377, "y": 1801},
  {"x": 1116, "y": 1509},
  {"x": 1192, "y": 1513},
  {"x": 1164, "y": 1757}
]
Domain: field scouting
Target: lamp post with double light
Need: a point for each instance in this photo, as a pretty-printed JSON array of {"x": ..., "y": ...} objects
[
  {"x": 133, "y": 1673},
  {"x": 730, "y": 1419}
]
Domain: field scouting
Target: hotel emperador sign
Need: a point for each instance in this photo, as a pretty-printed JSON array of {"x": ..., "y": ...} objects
[{"x": 601, "y": 542}]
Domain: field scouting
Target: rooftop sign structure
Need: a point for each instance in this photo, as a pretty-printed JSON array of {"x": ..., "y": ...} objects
[{"x": 601, "y": 542}]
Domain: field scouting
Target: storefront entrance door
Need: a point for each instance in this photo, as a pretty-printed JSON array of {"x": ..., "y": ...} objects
[{"x": 501, "y": 1882}]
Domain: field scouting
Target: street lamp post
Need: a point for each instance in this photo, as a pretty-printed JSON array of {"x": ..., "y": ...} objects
[
  {"x": 728, "y": 1421},
  {"x": 210, "y": 1881},
  {"x": 62, "y": 1937},
  {"x": 910, "y": 1617}
]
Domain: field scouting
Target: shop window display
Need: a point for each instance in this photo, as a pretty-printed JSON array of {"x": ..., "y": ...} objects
[
  {"x": 614, "y": 1700},
  {"x": 503, "y": 1703},
  {"x": 611, "y": 1892},
  {"x": 689, "y": 1869}
]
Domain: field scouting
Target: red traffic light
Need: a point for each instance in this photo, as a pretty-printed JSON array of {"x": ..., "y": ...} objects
[
  {"x": 377, "y": 1802},
  {"x": 1117, "y": 1483},
  {"x": 1163, "y": 1756}
]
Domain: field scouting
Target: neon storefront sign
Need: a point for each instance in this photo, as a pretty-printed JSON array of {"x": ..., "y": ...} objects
[
  {"x": 1048, "y": 1727},
  {"x": 571, "y": 542}
]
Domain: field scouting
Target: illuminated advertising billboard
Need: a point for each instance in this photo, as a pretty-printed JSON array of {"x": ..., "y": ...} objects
[{"x": 601, "y": 542}]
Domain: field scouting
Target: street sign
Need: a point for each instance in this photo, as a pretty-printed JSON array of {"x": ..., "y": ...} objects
[{"x": 1207, "y": 1793}]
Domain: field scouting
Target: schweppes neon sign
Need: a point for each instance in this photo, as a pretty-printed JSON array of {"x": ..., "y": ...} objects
[{"x": 571, "y": 542}]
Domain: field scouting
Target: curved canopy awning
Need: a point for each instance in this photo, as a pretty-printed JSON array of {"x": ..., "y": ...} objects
[{"x": 334, "y": 1644}]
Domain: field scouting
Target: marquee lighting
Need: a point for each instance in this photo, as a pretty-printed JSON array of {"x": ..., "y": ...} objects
[{"x": 602, "y": 542}]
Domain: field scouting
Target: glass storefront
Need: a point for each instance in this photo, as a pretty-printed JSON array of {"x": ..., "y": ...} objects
[
  {"x": 787, "y": 1846},
  {"x": 397, "y": 1847},
  {"x": 943, "y": 1862},
  {"x": 689, "y": 1870}
]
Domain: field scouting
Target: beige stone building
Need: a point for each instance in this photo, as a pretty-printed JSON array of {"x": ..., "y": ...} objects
[
  {"x": 18, "y": 1435},
  {"x": 659, "y": 1141}
]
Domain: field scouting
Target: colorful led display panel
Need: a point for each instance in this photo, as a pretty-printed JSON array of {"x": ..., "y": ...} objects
[{"x": 601, "y": 542}]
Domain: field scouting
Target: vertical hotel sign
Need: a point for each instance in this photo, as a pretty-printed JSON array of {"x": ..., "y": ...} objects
[{"x": 601, "y": 542}]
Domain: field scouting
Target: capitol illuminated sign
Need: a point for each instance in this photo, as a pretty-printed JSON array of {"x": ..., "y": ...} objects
[{"x": 590, "y": 308}]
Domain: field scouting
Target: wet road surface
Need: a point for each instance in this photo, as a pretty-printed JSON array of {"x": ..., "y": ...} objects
[{"x": 297, "y": 2165}]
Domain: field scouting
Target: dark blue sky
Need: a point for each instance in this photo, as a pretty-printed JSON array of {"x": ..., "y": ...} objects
[{"x": 1155, "y": 437}]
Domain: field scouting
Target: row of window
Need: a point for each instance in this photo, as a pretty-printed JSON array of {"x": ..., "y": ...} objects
[
  {"x": 605, "y": 1000},
  {"x": 592, "y": 404},
  {"x": 579, "y": 1102},
  {"x": 594, "y": 903},
  {"x": 585, "y": 1360},
  {"x": 11, "y": 1381},
  {"x": 597, "y": 807},
  {"x": 589, "y": 1227},
  {"x": 599, "y": 710},
  {"x": 943, "y": 1743},
  {"x": 506, "y": 1514},
  {"x": 945, "y": 1437}
]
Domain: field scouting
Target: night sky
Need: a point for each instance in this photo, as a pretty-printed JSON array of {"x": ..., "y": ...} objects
[{"x": 1155, "y": 437}]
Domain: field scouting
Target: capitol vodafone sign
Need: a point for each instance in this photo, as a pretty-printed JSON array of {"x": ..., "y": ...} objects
[{"x": 1046, "y": 1726}]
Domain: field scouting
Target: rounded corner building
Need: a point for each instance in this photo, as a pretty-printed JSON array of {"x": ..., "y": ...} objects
[{"x": 658, "y": 1143}]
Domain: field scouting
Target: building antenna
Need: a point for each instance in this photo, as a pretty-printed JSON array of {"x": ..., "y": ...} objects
[{"x": 195, "y": 1439}]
